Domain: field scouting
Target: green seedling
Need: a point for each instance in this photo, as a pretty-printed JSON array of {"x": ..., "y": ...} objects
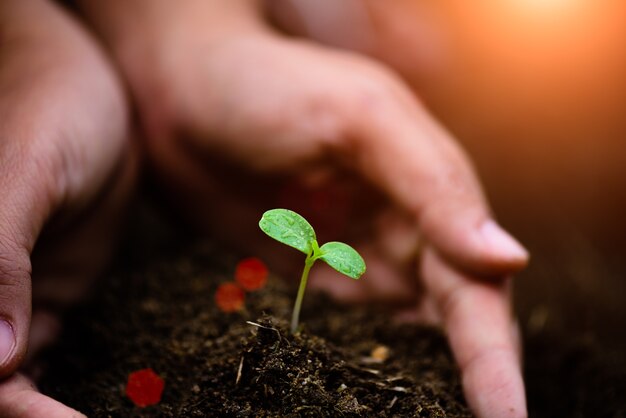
[{"x": 293, "y": 230}]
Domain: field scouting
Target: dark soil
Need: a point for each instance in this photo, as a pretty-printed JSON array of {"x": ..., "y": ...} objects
[
  {"x": 157, "y": 310},
  {"x": 162, "y": 315},
  {"x": 574, "y": 378},
  {"x": 570, "y": 303}
]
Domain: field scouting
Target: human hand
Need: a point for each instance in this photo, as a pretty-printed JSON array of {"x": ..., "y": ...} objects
[
  {"x": 66, "y": 170},
  {"x": 234, "y": 112}
]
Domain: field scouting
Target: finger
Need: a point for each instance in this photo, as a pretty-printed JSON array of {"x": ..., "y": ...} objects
[
  {"x": 22, "y": 211},
  {"x": 47, "y": 158},
  {"x": 19, "y": 399},
  {"x": 399, "y": 147},
  {"x": 477, "y": 319}
]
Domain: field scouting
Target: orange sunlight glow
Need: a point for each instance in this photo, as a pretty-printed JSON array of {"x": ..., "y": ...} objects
[
  {"x": 548, "y": 9},
  {"x": 546, "y": 5}
]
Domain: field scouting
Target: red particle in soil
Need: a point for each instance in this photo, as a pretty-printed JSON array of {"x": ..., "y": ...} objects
[
  {"x": 251, "y": 273},
  {"x": 229, "y": 297},
  {"x": 144, "y": 387}
]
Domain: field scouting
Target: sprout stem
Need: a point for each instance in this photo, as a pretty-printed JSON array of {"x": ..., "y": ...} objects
[{"x": 295, "y": 317}]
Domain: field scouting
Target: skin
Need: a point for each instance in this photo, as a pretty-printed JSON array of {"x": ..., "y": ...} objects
[
  {"x": 230, "y": 108},
  {"x": 66, "y": 169},
  {"x": 234, "y": 112}
]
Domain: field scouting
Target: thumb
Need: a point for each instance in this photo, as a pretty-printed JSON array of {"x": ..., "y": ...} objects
[{"x": 23, "y": 207}]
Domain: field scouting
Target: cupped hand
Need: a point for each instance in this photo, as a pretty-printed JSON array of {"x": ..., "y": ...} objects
[
  {"x": 66, "y": 169},
  {"x": 240, "y": 119}
]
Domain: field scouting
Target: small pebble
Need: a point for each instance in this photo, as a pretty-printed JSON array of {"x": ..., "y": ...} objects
[{"x": 380, "y": 353}]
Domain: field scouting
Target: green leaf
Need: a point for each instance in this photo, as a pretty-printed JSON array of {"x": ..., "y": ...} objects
[
  {"x": 343, "y": 258},
  {"x": 288, "y": 227}
]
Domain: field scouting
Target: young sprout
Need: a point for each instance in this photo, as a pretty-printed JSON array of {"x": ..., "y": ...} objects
[{"x": 292, "y": 229}]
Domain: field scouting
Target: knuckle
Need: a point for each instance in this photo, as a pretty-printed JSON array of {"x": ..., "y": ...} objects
[
  {"x": 322, "y": 121},
  {"x": 369, "y": 99},
  {"x": 373, "y": 89},
  {"x": 373, "y": 100}
]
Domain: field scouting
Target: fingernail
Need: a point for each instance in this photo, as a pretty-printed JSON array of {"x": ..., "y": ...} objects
[
  {"x": 500, "y": 240},
  {"x": 7, "y": 341}
]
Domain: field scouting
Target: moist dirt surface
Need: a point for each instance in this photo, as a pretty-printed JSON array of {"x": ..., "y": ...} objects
[
  {"x": 344, "y": 362},
  {"x": 156, "y": 309}
]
